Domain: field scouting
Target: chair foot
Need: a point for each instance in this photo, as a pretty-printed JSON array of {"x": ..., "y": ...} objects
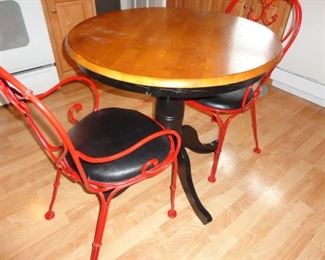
[
  {"x": 172, "y": 213},
  {"x": 49, "y": 215},
  {"x": 212, "y": 179},
  {"x": 257, "y": 150}
]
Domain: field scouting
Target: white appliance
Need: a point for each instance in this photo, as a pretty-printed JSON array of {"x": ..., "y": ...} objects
[{"x": 25, "y": 48}]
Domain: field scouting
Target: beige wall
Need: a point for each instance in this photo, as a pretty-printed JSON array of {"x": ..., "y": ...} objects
[
  {"x": 307, "y": 55},
  {"x": 302, "y": 71}
]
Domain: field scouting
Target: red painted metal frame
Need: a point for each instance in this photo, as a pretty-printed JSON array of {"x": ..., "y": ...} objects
[
  {"x": 249, "y": 103},
  {"x": 21, "y": 97}
]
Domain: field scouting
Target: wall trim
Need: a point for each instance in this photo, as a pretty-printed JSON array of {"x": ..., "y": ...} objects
[{"x": 300, "y": 86}]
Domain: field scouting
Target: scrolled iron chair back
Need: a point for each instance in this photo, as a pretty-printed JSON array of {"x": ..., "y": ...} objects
[
  {"x": 29, "y": 105},
  {"x": 264, "y": 17},
  {"x": 21, "y": 98}
]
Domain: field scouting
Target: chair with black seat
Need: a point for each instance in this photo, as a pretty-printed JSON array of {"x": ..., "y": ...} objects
[
  {"x": 106, "y": 151},
  {"x": 239, "y": 101}
]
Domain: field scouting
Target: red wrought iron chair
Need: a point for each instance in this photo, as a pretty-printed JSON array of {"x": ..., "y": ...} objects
[
  {"x": 105, "y": 152},
  {"x": 233, "y": 103}
]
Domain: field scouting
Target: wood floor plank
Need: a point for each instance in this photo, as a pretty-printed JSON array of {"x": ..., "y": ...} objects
[
  {"x": 269, "y": 246},
  {"x": 315, "y": 247},
  {"x": 266, "y": 206}
]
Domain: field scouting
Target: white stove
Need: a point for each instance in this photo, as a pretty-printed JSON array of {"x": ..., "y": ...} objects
[{"x": 25, "y": 48}]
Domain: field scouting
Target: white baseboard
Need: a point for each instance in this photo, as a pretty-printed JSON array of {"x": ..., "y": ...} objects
[{"x": 299, "y": 86}]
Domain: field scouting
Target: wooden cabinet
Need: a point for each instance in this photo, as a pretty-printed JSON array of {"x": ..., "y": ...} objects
[
  {"x": 61, "y": 16},
  {"x": 279, "y": 8}
]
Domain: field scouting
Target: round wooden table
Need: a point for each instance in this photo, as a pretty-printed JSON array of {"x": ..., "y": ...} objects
[{"x": 174, "y": 54}]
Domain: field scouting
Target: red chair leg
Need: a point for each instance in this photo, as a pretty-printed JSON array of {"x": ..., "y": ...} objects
[
  {"x": 101, "y": 221},
  {"x": 212, "y": 177},
  {"x": 50, "y": 213},
  {"x": 254, "y": 126},
  {"x": 172, "y": 212}
]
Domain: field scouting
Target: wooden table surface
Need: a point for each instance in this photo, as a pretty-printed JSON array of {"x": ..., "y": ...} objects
[{"x": 173, "y": 48}]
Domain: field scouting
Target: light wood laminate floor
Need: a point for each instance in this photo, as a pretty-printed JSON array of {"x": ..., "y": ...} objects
[{"x": 267, "y": 206}]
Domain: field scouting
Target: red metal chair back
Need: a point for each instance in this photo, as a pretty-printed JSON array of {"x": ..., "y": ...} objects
[
  {"x": 21, "y": 98},
  {"x": 30, "y": 106},
  {"x": 267, "y": 17}
]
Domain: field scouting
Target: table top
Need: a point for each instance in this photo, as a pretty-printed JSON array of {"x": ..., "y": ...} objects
[{"x": 173, "y": 48}]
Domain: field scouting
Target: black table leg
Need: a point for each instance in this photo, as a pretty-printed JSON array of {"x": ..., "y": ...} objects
[
  {"x": 170, "y": 113},
  {"x": 191, "y": 141},
  {"x": 184, "y": 173}
]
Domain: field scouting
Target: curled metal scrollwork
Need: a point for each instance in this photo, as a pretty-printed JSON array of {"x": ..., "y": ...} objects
[
  {"x": 263, "y": 16},
  {"x": 145, "y": 171},
  {"x": 77, "y": 107}
]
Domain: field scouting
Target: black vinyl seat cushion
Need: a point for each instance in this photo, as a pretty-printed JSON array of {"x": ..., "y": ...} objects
[
  {"x": 112, "y": 130},
  {"x": 225, "y": 101}
]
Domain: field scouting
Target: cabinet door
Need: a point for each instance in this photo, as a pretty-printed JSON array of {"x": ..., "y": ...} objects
[{"x": 62, "y": 16}]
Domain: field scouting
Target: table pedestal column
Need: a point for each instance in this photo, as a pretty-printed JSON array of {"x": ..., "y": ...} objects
[{"x": 170, "y": 113}]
